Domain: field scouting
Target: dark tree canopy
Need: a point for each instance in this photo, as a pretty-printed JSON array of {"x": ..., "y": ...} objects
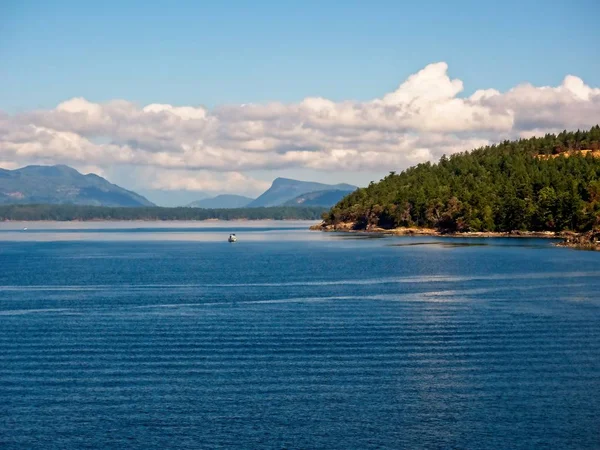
[
  {"x": 78, "y": 212},
  {"x": 539, "y": 184}
]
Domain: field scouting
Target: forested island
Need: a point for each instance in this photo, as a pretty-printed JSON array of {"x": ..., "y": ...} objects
[
  {"x": 18, "y": 212},
  {"x": 547, "y": 184}
]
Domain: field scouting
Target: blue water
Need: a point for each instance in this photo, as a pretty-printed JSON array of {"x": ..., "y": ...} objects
[{"x": 127, "y": 336}]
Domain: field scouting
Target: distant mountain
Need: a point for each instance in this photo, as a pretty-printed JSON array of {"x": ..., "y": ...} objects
[
  {"x": 63, "y": 185},
  {"x": 173, "y": 197},
  {"x": 320, "y": 198},
  {"x": 284, "y": 189},
  {"x": 222, "y": 201}
]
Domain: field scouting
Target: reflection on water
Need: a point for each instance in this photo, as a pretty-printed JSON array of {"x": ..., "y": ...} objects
[
  {"x": 209, "y": 230},
  {"x": 442, "y": 244}
]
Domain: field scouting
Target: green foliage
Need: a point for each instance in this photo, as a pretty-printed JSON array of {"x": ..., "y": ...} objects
[
  {"x": 516, "y": 185},
  {"x": 83, "y": 213}
]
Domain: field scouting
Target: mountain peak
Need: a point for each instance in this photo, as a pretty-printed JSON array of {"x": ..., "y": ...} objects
[
  {"x": 56, "y": 170},
  {"x": 281, "y": 180}
]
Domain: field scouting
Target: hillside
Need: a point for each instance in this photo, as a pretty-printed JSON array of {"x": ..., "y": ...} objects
[
  {"x": 319, "y": 198},
  {"x": 501, "y": 188},
  {"x": 62, "y": 185},
  {"x": 222, "y": 201},
  {"x": 284, "y": 189}
]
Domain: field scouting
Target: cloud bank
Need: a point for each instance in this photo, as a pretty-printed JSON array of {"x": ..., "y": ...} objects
[{"x": 193, "y": 148}]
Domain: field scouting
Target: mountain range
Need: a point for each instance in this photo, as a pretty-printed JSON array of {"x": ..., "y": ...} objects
[
  {"x": 284, "y": 190},
  {"x": 63, "y": 185},
  {"x": 222, "y": 201}
]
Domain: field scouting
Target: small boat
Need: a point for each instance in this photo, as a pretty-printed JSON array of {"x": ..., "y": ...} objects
[{"x": 232, "y": 238}]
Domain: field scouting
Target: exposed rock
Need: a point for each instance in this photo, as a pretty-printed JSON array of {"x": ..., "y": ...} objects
[
  {"x": 344, "y": 226},
  {"x": 584, "y": 241},
  {"x": 403, "y": 231}
]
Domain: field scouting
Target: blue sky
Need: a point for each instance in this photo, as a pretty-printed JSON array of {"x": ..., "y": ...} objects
[
  {"x": 223, "y": 97},
  {"x": 211, "y": 53}
]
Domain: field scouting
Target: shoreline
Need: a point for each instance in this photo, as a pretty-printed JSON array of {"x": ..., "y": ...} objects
[
  {"x": 570, "y": 239},
  {"x": 405, "y": 231},
  {"x": 154, "y": 220}
]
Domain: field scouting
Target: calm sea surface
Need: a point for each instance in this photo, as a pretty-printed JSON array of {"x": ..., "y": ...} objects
[{"x": 144, "y": 335}]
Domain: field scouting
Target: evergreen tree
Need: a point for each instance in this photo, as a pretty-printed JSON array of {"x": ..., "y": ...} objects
[{"x": 549, "y": 183}]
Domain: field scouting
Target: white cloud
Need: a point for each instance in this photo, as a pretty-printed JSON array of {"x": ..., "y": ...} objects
[
  {"x": 183, "y": 112},
  {"x": 204, "y": 181},
  {"x": 189, "y": 147},
  {"x": 430, "y": 85}
]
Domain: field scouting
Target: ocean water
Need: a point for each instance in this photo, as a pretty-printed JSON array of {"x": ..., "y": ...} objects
[{"x": 147, "y": 335}]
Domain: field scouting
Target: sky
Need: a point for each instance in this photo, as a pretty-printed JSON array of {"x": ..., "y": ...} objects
[{"x": 183, "y": 100}]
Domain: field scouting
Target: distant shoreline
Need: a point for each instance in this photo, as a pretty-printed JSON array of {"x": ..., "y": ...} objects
[
  {"x": 150, "y": 220},
  {"x": 85, "y": 213}
]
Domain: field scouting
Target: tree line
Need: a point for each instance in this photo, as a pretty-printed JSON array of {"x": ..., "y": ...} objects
[
  {"x": 22, "y": 212},
  {"x": 536, "y": 184}
]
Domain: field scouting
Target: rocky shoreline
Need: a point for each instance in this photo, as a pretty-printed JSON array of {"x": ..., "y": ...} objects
[{"x": 583, "y": 241}]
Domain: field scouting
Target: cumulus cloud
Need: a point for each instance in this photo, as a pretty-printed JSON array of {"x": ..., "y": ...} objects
[
  {"x": 230, "y": 182},
  {"x": 193, "y": 148}
]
